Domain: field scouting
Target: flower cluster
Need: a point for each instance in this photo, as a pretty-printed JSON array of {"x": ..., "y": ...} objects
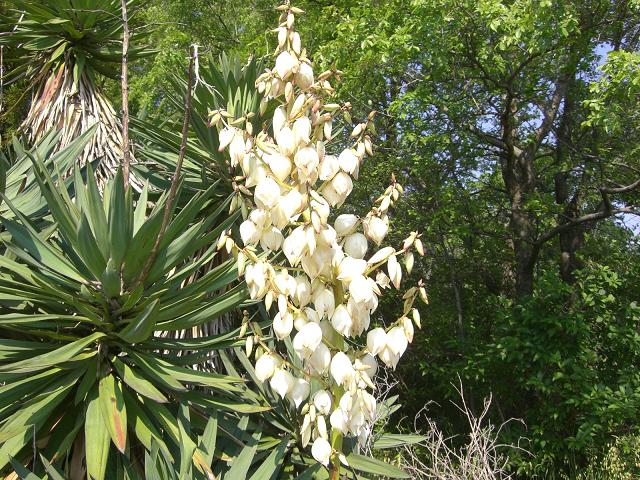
[{"x": 326, "y": 288}]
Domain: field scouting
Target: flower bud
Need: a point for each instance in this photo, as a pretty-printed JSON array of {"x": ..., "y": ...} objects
[
  {"x": 395, "y": 272},
  {"x": 279, "y": 119}
]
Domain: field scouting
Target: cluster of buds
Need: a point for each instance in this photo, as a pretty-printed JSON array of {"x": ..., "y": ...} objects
[{"x": 326, "y": 288}]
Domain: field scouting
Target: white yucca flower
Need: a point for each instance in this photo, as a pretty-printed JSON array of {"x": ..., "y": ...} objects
[{"x": 289, "y": 180}]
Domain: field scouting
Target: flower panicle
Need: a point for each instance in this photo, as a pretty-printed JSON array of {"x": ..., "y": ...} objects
[{"x": 287, "y": 182}]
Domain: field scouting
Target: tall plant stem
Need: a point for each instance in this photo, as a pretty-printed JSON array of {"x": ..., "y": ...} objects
[
  {"x": 126, "y": 152},
  {"x": 168, "y": 207}
]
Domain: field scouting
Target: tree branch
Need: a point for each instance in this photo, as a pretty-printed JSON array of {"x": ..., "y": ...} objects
[
  {"x": 126, "y": 151},
  {"x": 176, "y": 177}
]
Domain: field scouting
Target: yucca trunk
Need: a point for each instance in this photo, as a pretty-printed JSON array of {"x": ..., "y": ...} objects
[{"x": 73, "y": 106}]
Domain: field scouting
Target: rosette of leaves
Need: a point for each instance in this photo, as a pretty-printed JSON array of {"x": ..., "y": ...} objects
[
  {"x": 62, "y": 48},
  {"x": 222, "y": 84},
  {"x": 85, "y": 381}
]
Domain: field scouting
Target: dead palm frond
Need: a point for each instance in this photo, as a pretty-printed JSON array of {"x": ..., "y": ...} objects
[{"x": 61, "y": 47}]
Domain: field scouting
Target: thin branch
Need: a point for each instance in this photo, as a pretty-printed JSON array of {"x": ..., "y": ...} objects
[
  {"x": 126, "y": 150},
  {"x": 624, "y": 189},
  {"x": 589, "y": 217},
  {"x": 176, "y": 177}
]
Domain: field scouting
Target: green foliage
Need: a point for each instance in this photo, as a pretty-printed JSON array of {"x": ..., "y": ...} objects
[
  {"x": 571, "y": 360},
  {"x": 77, "y": 323},
  {"x": 86, "y": 33}
]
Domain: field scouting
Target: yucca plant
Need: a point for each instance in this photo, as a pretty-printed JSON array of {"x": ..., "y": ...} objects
[
  {"x": 224, "y": 83},
  {"x": 18, "y": 181},
  {"x": 84, "y": 376},
  {"x": 62, "y": 47}
]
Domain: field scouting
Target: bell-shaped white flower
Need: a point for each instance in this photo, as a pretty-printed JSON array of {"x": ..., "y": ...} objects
[
  {"x": 307, "y": 161},
  {"x": 370, "y": 362},
  {"x": 397, "y": 340},
  {"x": 375, "y": 228},
  {"x": 266, "y": 366},
  {"x": 279, "y": 119},
  {"x": 320, "y": 359},
  {"x": 281, "y": 382},
  {"x": 287, "y": 208},
  {"x": 225, "y": 137},
  {"x": 341, "y": 321},
  {"x": 271, "y": 239},
  {"x": 254, "y": 170},
  {"x": 321, "y": 451},
  {"x": 395, "y": 272},
  {"x": 284, "y": 283},
  {"x": 341, "y": 368},
  {"x": 338, "y": 421},
  {"x": 388, "y": 357},
  {"x": 322, "y": 401},
  {"x": 304, "y": 76},
  {"x": 283, "y": 325},
  {"x": 338, "y": 189},
  {"x": 249, "y": 232},
  {"x": 299, "y": 391},
  {"x": 348, "y": 160},
  {"x": 285, "y": 64},
  {"x": 302, "y": 295},
  {"x": 279, "y": 165},
  {"x": 294, "y": 245},
  {"x": 345, "y": 224},
  {"x": 307, "y": 340},
  {"x": 267, "y": 193},
  {"x": 324, "y": 302},
  {"x": 286, "y": 142},
  {"x": 329, "y": 166},
  {"x": 302, "y": 131},
  {"x": 312, "y": 336},
  {"x": 351, "y": 268},
  {"x": 360, "y": 290},
  {"x": 376, "y": 340},
  {"x": 356, "y": 245},
  {"x": 256, "y": 278}
]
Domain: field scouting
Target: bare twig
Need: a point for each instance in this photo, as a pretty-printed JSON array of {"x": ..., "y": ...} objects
[
  {"x": 126, "y": 153},
  {"x": 480, "y": 457},
  {"x": 175, "y": 180}
]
